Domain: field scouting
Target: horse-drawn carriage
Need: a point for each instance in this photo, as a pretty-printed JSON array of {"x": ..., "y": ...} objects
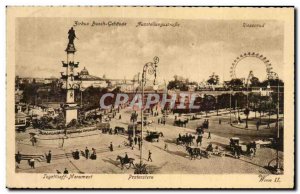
[
  {"x": 104, "y": 127},
  {"x": 211, "y": 150},
  {"x": 135, "y": 127},
  {"x": 119, "y": 130},
  {"x": 181, "y": 123},
  {"x": 195, "y": 152},
  {"x": 146, "y": 122},
  {"x": 185, "y": 140},
  {"x": 153, "y": 136},
  {"x": 235, "y": 147}
]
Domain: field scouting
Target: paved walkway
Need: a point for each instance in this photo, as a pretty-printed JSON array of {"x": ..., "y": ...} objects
[{"x": 173, "y": 160}]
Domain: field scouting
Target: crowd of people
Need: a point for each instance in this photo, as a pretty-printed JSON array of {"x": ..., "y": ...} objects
[{"x": 86, "y": 153}]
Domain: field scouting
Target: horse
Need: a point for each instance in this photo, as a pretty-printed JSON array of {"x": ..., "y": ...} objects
[
  {"x": 187, "y": 140},
  {"x": 193, "y": 152},
  {"x": 251, "y": 145},
  {"x": 123, "y": 161},
  {"x": 199, "y": 140},
  {"x": 199, "y": 130}
]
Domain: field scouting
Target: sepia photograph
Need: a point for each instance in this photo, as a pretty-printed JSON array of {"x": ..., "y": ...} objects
[{"x": 150, "y": 97}]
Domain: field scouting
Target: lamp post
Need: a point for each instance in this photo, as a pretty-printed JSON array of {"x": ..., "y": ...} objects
[
  {"x": 277, "y": 167},
  {"x": 230, "y": 105},
  {"x": 150, "y": 69},
  {"x": 278, "y": 129},
  {"x": 134, "y": 114}
]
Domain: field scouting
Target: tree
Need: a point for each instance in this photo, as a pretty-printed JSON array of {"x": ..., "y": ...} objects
[
  {"x": 208, "y": 103},
  {"x": 223, "y": 101},
  {"x": 213, "y": 79},
  {"x": 60, "y": 120},
  {"x": 235, "y": 83},
  {"x": 247, "y": 112},
  {"x": 271, "y": 106},
  {"x": 254, "y": 82},
  {"x": 272, "y": 82},
  {"x": 177, "y": 84},
  {"x": 254, "y": 99}
]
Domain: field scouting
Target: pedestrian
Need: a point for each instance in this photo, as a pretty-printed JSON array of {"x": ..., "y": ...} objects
[
  {"x": 140, "y": 144},
  {"x": 135, "y": 140},
  {"x": 149, "y": 156},
  {"x": 164, "y": 121},
  {"x": 18, "y": 157},
  {"x": 94, "y": 154},
  {"x": 76, "y": 155},
  {"x": 63, "y": 141},
  {"x": 49, "y": 156},
  {"x": 209, "y": 135},
  {"x": 130, "y": 142},
  {"x": 66, "y": 171},
  {"x": 251, "y": 153},
  {"x": 166, "y": 146},
  {"x": 200, "y": 140},
  {"x": 257, "y": 125},
  {"x": 254, "y": 148},
  {"x": 31, "y": 162},
  {"x": 220, "y": 122},
  {"x": 111, "y": 148},
  {"x": 120, "y": 117},
  {"x": 158, "y": 120},
  {"x": 126, "y": 159},
  {"x": 32, "y": 140},
  {"x": 87, "y": 151}
]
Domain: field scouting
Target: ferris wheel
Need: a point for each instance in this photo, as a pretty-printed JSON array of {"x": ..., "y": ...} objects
[{"x": 262, "y": 58}]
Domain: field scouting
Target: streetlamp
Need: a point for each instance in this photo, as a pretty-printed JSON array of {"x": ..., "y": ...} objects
[
  {"x": 150, "y": 69},
  {"x": 230, "y": 105},
  {"x": 277, "y": 167},
  {"x": 278, "y": 129},
  {"x": 134, "y": 114}
]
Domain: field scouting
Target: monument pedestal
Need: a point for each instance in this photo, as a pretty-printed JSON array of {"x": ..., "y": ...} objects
[{"x": 71, "y": 111}]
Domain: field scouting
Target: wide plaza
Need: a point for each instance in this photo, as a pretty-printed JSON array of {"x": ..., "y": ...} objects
[{"x": 167, "y": 156}]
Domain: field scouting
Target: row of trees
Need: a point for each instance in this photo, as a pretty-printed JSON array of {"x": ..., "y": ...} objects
[
  {"x": 183, "y": 84},
  {"x": 255, "y": 103}
]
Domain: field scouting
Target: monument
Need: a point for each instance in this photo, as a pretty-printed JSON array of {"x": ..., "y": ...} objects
[{"x": 70, "y": 79}]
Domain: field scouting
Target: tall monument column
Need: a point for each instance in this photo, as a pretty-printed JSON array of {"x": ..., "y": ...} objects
[{"x": 70, "y": 79}]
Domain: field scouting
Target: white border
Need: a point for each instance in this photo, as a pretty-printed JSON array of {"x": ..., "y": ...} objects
[{"x": 104, "y": 2}]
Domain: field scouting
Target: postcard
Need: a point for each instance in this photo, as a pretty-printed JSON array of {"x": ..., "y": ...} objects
[{"x": 150, "y": 97}]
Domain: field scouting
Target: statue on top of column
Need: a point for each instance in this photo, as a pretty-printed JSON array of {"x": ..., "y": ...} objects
[{"x": 71, "y": 36}]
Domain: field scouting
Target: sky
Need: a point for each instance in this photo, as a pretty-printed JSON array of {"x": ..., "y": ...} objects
[{"x": 195, "y": 49}]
